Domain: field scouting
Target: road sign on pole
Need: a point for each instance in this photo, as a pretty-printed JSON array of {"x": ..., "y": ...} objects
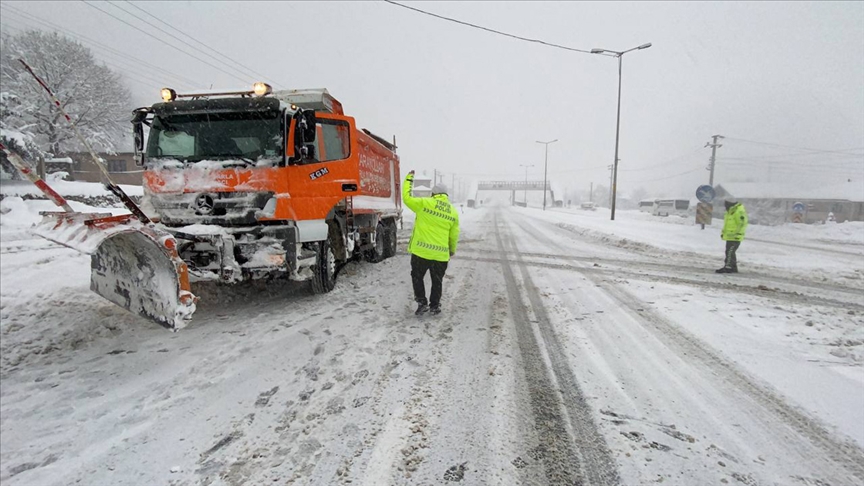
[{"x": 705, "y": 193}]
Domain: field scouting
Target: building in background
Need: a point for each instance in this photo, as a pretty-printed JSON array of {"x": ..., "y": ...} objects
[
  {"x": 121, "y": 166},
  {"x": 422, "y": 187},
  {"x": 80, "y": 167},
  {"x": 773, "y": 203}
]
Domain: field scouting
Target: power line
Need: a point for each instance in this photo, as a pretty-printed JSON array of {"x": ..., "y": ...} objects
[
  {"x": 93, "y": 43},
  {"x": 834, "y": 169},
  {"x": 526, "y": 39},
  {"x": 826, "y": 163},
  {"x": 670, "y": 177},
  {"x": 667, "y": 163},
  {"x": 795, "y": 148},
  {"x": 176, "y": 38},
  {"x": 130, "y": 75},
  {"x": 806, "y": 154},
  {"x": 264, "y": 78},
  {"x": 163, "y": 42},
  {"x": 664, "y": 164}
]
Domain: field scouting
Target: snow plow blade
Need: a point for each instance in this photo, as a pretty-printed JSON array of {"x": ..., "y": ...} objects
[{"x": 133, "y": 265}]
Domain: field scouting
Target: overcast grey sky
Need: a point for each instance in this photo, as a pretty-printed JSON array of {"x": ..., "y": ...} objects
[{"x": 474, "y": 103}]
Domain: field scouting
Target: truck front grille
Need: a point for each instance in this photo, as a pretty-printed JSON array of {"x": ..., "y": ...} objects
[{"x": 221, "y": 208}]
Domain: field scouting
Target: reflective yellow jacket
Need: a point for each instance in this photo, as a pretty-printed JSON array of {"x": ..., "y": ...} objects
[
  {"x": 734, "y": 223},
  {"x": 436, "y": 228}
]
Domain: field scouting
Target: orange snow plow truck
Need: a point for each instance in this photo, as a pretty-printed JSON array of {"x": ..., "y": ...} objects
[{"x": 240, "y": 186}]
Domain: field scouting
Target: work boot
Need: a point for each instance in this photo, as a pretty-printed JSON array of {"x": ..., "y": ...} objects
[
  {"x": 421, "y": 309},
  {"x": 733, "y": 270},
  {"x": 435, "y": 309},
  {"x": 723, "y": 270}
]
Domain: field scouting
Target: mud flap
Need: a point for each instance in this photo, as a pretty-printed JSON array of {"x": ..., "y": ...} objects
[{"x": 133, "y": 265}]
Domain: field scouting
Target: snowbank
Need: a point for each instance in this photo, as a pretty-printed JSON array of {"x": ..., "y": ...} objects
[
  {"x": 65, "y": 188},
  {"x": 833, "y": 251}
]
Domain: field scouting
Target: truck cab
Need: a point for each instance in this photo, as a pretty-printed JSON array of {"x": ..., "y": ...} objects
[{"x": 256, "y": 183}]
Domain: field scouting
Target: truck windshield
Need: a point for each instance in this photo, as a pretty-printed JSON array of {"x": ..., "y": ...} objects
[{"x": 250, "y": 138}]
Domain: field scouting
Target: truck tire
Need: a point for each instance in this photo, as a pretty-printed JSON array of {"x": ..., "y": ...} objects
[
  {"x": 379, "y": 250},
  {"x": 324, "y": 270},
  {"x": 390, "y": 239}
]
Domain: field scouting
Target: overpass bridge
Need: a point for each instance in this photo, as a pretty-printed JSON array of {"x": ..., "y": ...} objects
[{"x": 513, "y": 187}]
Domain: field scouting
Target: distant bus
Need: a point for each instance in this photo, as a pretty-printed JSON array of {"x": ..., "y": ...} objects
[
  {"x": 666, "y": 207},
  {"x": 647, "y": 205}
]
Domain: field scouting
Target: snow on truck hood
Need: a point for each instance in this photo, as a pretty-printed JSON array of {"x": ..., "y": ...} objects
[{"x": 203, "y": 176}]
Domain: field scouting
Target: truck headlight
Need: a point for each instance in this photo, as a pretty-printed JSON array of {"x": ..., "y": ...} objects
[
  {"x": 262, "y": 89},
  {"x": 168, "y": 94}
]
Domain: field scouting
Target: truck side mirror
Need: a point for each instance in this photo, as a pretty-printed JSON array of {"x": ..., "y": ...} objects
[
  {"x": 138, "y": 135},
  {"x": 308, "y": 124},
  {"x": 138, "y": 118}
]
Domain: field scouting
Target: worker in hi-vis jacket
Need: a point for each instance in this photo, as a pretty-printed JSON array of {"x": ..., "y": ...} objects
[{"x": 433, "y": 241}]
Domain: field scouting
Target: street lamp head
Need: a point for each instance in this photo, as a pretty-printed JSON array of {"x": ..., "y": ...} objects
[
  {"x": 644, "y": 46},
  {"x": 597, "y": 51}
]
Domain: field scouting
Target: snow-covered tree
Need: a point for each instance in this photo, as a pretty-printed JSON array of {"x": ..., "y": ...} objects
[
  {"x": 92, "y": 94},
  {"x": 601, "y": 195},
  {"x": 639, "y": 194}
]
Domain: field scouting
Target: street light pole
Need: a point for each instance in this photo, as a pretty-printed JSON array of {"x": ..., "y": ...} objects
[
  {"x": 525, "y": 195},
  {"x": 545, "y": 167},
  {"x": 619, "y": 55}
]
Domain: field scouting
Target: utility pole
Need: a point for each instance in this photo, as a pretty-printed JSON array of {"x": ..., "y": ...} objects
[
  {"x": 591, "y": 194},
  {"x": 452, "y": 184},
  {"x": 611, "y": 172},
  {"x": 525, "y": 193},
  {"x": 714, "y": 146},
  {"x": 545, "y": 171}
]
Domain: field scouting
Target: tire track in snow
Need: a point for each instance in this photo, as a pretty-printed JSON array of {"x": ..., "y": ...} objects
[
  {"x": 573, "y": 232},
  {"x": 808, "y": 247},
  {"x": 689, "y": 269},
  {"x": 843, "y": 452},
  {"x": 777, "y": 294},
  {"x": 584, "y": 457}
]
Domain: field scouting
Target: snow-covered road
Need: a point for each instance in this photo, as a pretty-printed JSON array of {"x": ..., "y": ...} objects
[{"x": 571, "y": 351}]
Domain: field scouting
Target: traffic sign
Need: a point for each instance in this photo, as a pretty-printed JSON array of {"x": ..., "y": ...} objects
[
  {"x": 798, "y": 207},
  {"x": 703, "y": 213},
  {"x": 705, "y": 193}
]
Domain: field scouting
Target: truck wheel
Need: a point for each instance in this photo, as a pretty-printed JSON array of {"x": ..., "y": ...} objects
[
  {"x": 390, "y": 240},
  {"x": 324, "y": 270},
  {"x": 378, "y": 252}
]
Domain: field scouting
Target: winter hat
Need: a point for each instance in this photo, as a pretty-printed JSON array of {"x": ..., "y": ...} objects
[
  {"x": 729, "y": 204},
  {"x": 439, "y": 189}
]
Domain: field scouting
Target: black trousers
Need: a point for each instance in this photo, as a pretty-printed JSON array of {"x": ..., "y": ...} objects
[
  {"x": 731, "y": 259},
  {"x": 419, "y": 267}
]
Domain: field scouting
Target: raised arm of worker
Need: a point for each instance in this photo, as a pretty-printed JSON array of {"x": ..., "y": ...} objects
[{"x": 413, "y": 203}]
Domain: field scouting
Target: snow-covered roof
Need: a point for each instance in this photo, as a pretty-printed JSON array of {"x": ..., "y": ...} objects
[
  {"x": 60, "y": 160},
  {"x": 851, "y": 191}
]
